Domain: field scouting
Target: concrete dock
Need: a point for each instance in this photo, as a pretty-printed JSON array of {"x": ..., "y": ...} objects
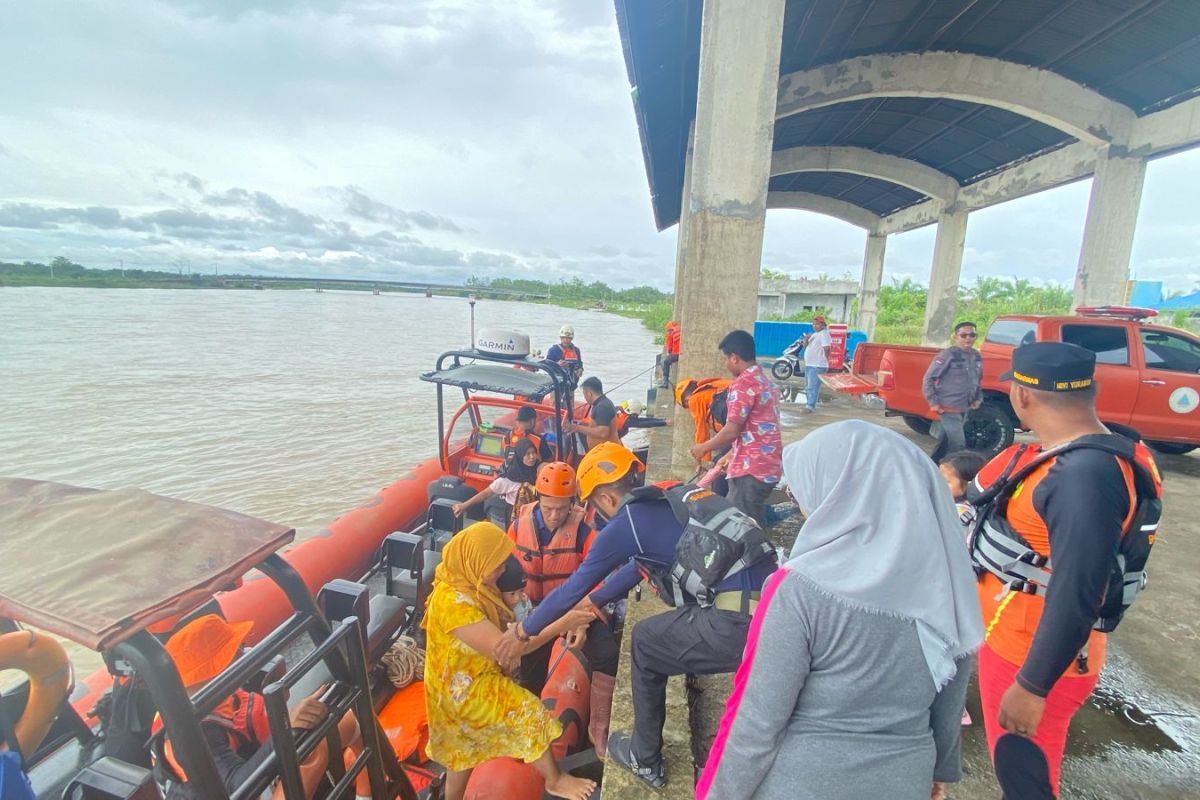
[{"x": 1139, "y": 737}]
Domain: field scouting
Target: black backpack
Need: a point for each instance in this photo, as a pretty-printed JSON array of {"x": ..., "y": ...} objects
[
  {"x": 717, "y": 542},
  {"x": 719, "y": 410}
]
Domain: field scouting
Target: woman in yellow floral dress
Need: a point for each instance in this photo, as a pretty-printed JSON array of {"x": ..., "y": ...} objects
[{"x": 476, "y": 711}]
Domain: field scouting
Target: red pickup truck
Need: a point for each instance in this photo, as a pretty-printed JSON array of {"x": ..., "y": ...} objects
[{"x": 1149, "y": 376}]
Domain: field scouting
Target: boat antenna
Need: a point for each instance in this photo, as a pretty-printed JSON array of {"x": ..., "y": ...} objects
[{"x": 471, "y": 300}]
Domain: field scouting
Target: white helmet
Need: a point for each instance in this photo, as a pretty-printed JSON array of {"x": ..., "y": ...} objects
[
  {"x": 567, "y": 331},
  {"x": 633, "y": 406}
]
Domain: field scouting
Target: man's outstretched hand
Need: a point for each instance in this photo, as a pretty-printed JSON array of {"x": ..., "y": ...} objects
[{"x": 508, "y": 649}]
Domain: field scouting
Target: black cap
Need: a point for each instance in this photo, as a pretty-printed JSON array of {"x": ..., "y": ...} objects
[
  {"x": 513, "y": 577},
  {"x": 1052, "y": 367}
]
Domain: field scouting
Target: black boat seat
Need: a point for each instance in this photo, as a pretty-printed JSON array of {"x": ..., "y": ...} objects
[{"x": 387, "y": 617}]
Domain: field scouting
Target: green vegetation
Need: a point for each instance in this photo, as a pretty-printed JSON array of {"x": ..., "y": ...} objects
[
  {"x": 64, "y": 272},
  {"x": 653, "y": 307},
  {"x": 901, "y": 304}
]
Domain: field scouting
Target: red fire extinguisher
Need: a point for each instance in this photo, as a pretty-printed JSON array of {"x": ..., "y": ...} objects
[{"x": 838, "y": 333}]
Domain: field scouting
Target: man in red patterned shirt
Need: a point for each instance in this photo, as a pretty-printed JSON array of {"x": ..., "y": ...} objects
[{"x": 751, "y": 428}]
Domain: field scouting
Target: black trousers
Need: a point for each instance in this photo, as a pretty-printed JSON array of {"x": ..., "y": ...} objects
[
  {"x": 749, "y": 495},
  {"x": 601, "y": 649},
  {"x": 683, "y": 641}
]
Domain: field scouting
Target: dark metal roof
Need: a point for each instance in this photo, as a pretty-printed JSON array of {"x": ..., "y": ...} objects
[
  {"x": 494, "y": 378},
  {"x": 1142, "y": 53}
]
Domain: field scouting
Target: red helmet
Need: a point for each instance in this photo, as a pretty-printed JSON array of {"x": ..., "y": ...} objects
[{"x": 556, "y": 479}]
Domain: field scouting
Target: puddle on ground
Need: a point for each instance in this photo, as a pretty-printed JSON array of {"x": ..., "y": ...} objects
[{"x": 1109, "y": 719}]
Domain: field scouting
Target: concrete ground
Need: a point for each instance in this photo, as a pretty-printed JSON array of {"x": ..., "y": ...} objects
[{"x": 1138, "y": 738}]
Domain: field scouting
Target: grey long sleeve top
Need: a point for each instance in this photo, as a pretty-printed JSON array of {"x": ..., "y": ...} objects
[
  {"x": 838, "y": 705},
  {"x": 954, "y": 378}
]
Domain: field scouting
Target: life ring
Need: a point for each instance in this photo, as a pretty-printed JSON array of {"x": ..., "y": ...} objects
[{"x": 49, "y": 670}]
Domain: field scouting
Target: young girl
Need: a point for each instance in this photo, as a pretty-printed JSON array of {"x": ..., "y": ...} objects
[
  {"x": 959, "y": 469},
  {"x": 476, "y": 711},
  {"x": 511, "y": 490}
]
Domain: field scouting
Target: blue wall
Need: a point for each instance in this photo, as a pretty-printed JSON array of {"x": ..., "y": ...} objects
[{"x": 770, "y": 338}]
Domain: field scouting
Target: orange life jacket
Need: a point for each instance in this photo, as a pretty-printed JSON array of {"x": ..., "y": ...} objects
[
  {"x": 700, "y": 406},
  {"x": 673, "y": 340},
  {"x": 569, "y": 352},
  {"x": 1011, "y": 618},
  {"x": 621, "y": 423},
  {"x": 243, "y": 715},
  {"x": 547, "y": 568},
  {"x": 617, "y": 428},
  {"x": 517, "y": 434}
]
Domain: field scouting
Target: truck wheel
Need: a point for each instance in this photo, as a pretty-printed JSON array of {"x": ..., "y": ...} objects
[
  {"x": 988, "y": 429},
  {"x": 1172, "y": 448},
  {"x": 782, "y": 370},
  {"x": 917, "y": 424}
]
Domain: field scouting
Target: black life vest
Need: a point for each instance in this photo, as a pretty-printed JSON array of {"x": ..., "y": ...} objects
[
  {"x": 996, "y": 547},
  {"x": 718, "y": 541}
]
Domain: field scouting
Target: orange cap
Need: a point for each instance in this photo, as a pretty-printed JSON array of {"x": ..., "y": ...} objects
[
  {"x": 681, "y": 388},
  {"x": 205, "y": 646},
  {"x": 556, "y": 479},
  {"x": 605, "y": 463}
]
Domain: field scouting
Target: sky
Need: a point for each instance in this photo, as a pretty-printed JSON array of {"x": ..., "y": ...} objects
[{"x": 426, "y": 140}]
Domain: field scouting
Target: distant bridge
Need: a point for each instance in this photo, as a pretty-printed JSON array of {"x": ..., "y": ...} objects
[{"x": 406, "y": 286}]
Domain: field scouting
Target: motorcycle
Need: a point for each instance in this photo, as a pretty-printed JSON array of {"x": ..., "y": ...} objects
[{"x": 788, "y": 364}]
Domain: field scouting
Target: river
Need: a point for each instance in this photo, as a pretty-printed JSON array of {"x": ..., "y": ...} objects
[{"x": 292, "y": 406}]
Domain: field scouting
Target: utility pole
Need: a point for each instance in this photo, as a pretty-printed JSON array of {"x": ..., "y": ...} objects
[{"x": 122, "y": 268}]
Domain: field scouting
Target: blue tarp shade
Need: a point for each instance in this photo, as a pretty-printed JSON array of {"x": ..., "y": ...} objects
[
  {"x": 772, "y": 338},
  {"x": 1145, "y": 294},
  {"x": 1178, "y": 303}
]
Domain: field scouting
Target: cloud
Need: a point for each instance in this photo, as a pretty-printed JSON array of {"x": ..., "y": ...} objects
[
  {"x": 437, "y": 137},
  {"x": 358, "y": 204}
]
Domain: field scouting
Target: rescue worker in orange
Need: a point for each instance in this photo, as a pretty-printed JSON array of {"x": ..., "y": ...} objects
[
  {"x": 551, "y": 539},
  {"x": 524, "y": 429},
  {"x": 670, "y": 352},
  {"x": 602, "y": 423},
  {"x": 1042, "y": 654},
  {"x": 697, "y": 397},
  {"x": 237, "y": 733}
]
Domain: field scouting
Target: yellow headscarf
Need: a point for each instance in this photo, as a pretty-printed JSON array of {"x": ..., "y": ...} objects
[{"x": 467, "y": 560}]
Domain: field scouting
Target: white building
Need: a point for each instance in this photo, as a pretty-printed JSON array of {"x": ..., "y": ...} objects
[{"x": 783, "y": 297}]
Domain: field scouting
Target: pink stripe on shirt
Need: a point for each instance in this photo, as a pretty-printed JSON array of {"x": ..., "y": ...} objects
[{"x": 739, "y": 684}]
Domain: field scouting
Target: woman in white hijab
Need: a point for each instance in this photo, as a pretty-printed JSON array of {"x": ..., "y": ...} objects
[{"x": 858, "y": 656}]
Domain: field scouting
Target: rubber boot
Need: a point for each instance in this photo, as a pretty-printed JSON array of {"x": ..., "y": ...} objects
[{"x": 601, "y": 710}]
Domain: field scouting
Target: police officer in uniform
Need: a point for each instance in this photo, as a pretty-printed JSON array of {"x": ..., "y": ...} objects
[{"x": 952, "y": 387}]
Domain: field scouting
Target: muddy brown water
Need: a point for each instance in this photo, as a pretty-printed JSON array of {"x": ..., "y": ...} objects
[{"x": 291, "y": 406}]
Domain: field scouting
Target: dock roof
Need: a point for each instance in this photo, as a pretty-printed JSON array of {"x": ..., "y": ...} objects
[{"x": 885, "y": 107}]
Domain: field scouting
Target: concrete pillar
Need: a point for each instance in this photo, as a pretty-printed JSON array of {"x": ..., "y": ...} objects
[
  {"x": 942, "y": 302},
  {"x": 1103, "y": 270},
  {"x": 721, "y": 256},
  {"x": 684, "y": 207},
  {"x": 872, "y": 280}
]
